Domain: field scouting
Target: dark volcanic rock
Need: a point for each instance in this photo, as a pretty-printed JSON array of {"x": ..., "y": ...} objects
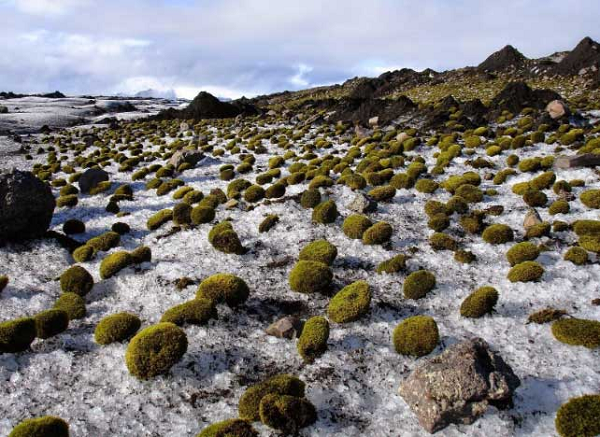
[
  {"x": 517, "y": 95},
  {"x": 503, "y": 59},
  {"x": 206, "y": 106},
  {"x": 361, "y": 110},
  {"x": 458, "y": 385},
  {"x": 26, "y": 206},
  {"x": 585, "y": 56}
]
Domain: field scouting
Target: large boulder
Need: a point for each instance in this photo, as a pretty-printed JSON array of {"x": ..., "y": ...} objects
[
  {"x": 458, "y": 385},
  {"x": 26, "y": 206},
  {"x": 191, "y": 157},
  {"x": 518, "y": 95},
  {"x": 91, "y": 178}
]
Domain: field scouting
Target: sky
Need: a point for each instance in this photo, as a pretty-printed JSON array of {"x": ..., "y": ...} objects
[{"x": 232, "y": 48}]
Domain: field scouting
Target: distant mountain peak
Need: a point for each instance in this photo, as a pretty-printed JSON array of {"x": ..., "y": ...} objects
[
  {"x": 503, "y": 59},
  {"x": 585, "y": 56}
]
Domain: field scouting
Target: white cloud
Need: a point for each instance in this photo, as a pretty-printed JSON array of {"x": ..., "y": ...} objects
[
  {"x": 52, "y": 7},
  {"x": 299, "y": 78}
]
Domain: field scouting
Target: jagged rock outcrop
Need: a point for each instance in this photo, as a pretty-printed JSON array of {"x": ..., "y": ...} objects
[
  {"x": 206, "y": 106},
  {"x": 583, "y": 59},
  {"x": 518, "y": 95},
  {"x": 504, "y": 59}
]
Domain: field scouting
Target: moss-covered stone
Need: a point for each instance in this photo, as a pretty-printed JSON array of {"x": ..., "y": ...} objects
[
  {"x": 202, "y": 214},
  {"x": 141, "y": 254},
  {"x": 313, "y": 340},
  {"x": 320, "y": 250},
  {"x": 105, "y": 241},
  {"x": 310, "y": 277},
  {"x": 521, "y": 252},
  {"x": 154, "y": 350},
  {"x": 160, "y": 218},
  {"x": 268, "y": 223},
  {"x": 16, "y": 335},
  {"x": 84, "y": 253},
  {"x": 325, "y": 212},
  {"x": 182, "y": 214},
  {"x": 383, "y": 194},
  {"x": 427, "y": 186},
  {"x": 310, "y": 198},
  {"x": 392, "y": 265},
  {"x": 526, "y": 271},
  {"x": 418, "y": 284},
  {"x": 73, "y": 226},
  {"x": 229, "y": 428},
  {"x": 441, "y": 241},
  {"x": 45, "y": 426},
  {"x": 49, "y": 323},
  {"x": 590, "y": 242},
  {"x": 350, "y": 303},
  {"x": 254, "y": 193},
  {"x": 67, "y": 201},
  {"x": 114, "y": 263},
  {"x": 224, "y": 288},
  {"x": 355, "y": 226},
  {"x": 470, "y": 193},
  {"x": 472, "y": 222},
  {"x": 498, "y": 234},
  {"x": 116, "y": 328},
  {"x": 76, "y": 280},
  {"x": 587, "y": 227},
  {"x": 479, "y": 303},
  {"x": 438, "y": 222},
  {"x": 577, "y": 256},
  {"x": 577, "y": 332},
  {"x": 249, "y": 404},
  {"x": 578, "y": 417},
  {"x": 546, "y": 315},
  {"x": 194, "y": 312},
  {"x": 591, "y": 198},
  {"x": 286, "y": 413},
  {"x": 379, "y": 233},
  {"x": 535, "y": 198},
  {"x": 225, "y": 239},
  {"x": 73, "y": 304},
  {"x": 416, "y": 336}
]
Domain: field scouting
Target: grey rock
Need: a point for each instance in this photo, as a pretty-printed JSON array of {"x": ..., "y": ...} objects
[
  {"x": 458, "y": 385},
  {"x": 531, "y": 219},
  {"x": 26, "y": 206},
  {"x": 583, "y": 160},
  {"x": 190, "y": 156},
  {"x": 91, "y": 178},
  {"x": 231, "y": 204},
  {"x": 286, "y": 327},
  {"x": 361, "y": 204}
]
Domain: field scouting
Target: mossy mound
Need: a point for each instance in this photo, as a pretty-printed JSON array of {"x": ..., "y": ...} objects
[
  {"x": 202, "y": 214},
  {"x": 254, "y": 193},
  {"x": 577, "y": 332},
  {"x": 154, "y": 350},
  {"x": 587, "y": 227},
  {"x": 535, "y": 198},
  {"x": 440, "y": 241},
  {"x": 313, "y": 340},
  {"x": 526, "y": 271},
  {"x": 76, "y": 280},
  {"x": 194, "y": 312},
  {"x": 383, "y": 194},
  {"x": 84, "y": 253},
  {"x": 379, "y": 233},
  {"x": 225, "y": 239},
  {"x": 73, "y": 226},
  {"x": 310, "y": 277},
  {"x": 591, "y": 198},
  {"x": 141, "y": 254},
  {"x": 578, "y": 417},
  {"x": 559, "y": 207},
  {"x": 249, "y": 404},
  {"x": 538, "y": 230},
  {"x": 546, "y": 315},
  {"x": 320, "y": 250},
  {"x": 464, "y": 256},
  {"x": 350, "y": 303},
  {"x": 310, "y": 198},
  {"x": 577, "y": 256},
  {"x": 49, "y": 323},
  {"x": 46, "y": 426},
  {"x": 521, "y": 252},
  {"x": 438, "y": 222},
  {"x": 16, "y": 335},
  {"x": 286, "y": 413},
  {"x": 73, "y": 304},
  {"x": 418, "y": 284},
  {"x": 498, "y": 234},
  {"x": 416, "y": 336},
  {"x": 355, "y": 226},
  {"x": 224, "y": 288},
  {"x": 160, "y": 218},
  {"x": 590, "y": 242},
  {"x": 268, "y": 223},
  {"x": 325, "y": 212},
  {"x": 3, "y": 282},
  {"x": 479, "y": 303},
  {"x": 392, "y": 265},
  {"x": 114, "y": 263},
  {"x": 116, "y": 328},
  {"x": 182, "y": 214},
  {"x": 229, "y": 428}
]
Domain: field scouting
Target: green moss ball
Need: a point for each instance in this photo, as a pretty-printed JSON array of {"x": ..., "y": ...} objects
[
  {"x": 392, "y": 265},
  {"x": 526, "y": 271},
  {"x": 320, "y": 250},
  {"x": 577, "y": 332},
  {"x": 350, "y": 303},
  {"x": 84, "y": 253},
  {"x": 578, "y": 417},
  {"x": 441, "y": 241},
  {"x": 225, "y": 239},
  {"x": 154, "y": 350},
  {"x": 202, "y": 214},
  {"x": 464, "y": 256},
  {"x": 383, "y": 194},
  {"x": 355, "y": 226},
  {"x": 159, "y": 219},
  {"x": 577, "y": 256},
  {"x": 416, "y": 336},
  {"x": 182, "y": 214},
  {"x": 46, "y": 426},
  {"x": 114, "y": 263},
  {"x": 229, "y": 428},
  {"x": 287, "y": 414},
  {"x": 379, "y": 233},
  {"x": 73, "y": 304},
  {"x": 310, "y": 277},
  {"x": 76, "y": 280},
  {"x": 313, "y": 340},
  {"x": 141, "y": 254},
  {"x": 470, "y": 193},
  {"x": 325, "y": 212},
  {"x": 310, "y": 198},
  {"x": 498, "y": 234},
  {"x": 418, "y": 284},
  {"x": 249, "y": 404},
  {"x": 105, "y": 241},
  {"x": 49, "y": 323},
  {"x": 559, "y": 207},
  {"x": 438, "y": 222},
  {"x": 479, "y": 303},
  {"x": 521, "y": 252},
  {"x": 116, "y": 328},
  {"x": 224, "y": 288},
  {"x": 16, "y": 335},
  {"x": 591, "y": 198},
  {"x": 194, "y": 312},
  {"x": 254, "y": 193},
  {"x": 3, "y": 282}
]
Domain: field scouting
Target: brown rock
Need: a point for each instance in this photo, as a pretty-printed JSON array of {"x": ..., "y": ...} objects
[
  {"x": 532, "y": 218},
  {"x": 286, "y": 327},
  {"x": 557, "y": 109},
  {"x": 584, "y": 160}
]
